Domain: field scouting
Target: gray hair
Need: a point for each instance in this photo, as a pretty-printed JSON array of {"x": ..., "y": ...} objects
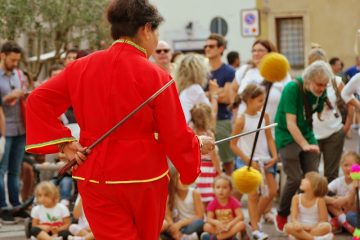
[{"x": 315, "y": 70}]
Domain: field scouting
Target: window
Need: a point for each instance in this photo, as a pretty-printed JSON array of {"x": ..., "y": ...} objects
[
  {"x": 219, "y": 25},
  {"x": 290, "y": 40}
]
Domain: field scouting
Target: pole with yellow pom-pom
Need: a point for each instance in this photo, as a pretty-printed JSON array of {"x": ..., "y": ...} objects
[
  {"x": 355, "y": 176},
  {"x": 273, "y": 67}
]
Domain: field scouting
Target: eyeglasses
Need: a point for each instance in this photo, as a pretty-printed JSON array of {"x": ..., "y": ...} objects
[
  {"x": 158, "y": 51},
  {"x": 211, "y": 46},
  {"x": 258, "y": 50}
]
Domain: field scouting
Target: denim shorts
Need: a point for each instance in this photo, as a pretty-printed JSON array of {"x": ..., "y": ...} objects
[{"x": 240, "y": 163}]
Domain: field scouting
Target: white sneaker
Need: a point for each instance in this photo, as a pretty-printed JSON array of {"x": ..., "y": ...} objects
[
  {"x": 192, "y": 236},
  {"x": 257, "y": 235}
]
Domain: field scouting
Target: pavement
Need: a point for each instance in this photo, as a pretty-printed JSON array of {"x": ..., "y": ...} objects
[{"x": 17, "y": 232}]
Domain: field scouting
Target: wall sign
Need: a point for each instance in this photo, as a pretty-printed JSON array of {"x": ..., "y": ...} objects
[{"x": 250, "y": 23}]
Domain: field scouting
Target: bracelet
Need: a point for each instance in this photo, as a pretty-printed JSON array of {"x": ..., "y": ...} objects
[{"x": 215, "y": 96}]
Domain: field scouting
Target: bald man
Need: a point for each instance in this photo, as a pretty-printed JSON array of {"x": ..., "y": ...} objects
[{"x": 162, "y": 56}]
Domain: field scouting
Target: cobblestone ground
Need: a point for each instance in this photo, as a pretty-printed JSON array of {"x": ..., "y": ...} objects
[{"x": 16, "y": 232}]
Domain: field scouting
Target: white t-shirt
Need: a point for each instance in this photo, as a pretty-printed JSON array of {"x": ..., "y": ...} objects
[
  {"x": 340, "y": 187},
  {"x": 247, "y": 75},
  {"x": 353, "y": 86},
  {"x": 50, "y": 216},
  {"x": 329, "y": 124},
  {"x": 191, "y": 96}
]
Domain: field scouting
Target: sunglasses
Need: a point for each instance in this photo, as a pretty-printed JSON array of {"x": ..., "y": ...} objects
[
  {"x": 211, "y": 46},
  {"x": 158, "y": 51}
]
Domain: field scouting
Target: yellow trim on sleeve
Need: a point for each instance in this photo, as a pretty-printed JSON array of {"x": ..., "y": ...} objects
[
  {"x": 127, "y": 181},
  {"x": 53, "y": 142}
]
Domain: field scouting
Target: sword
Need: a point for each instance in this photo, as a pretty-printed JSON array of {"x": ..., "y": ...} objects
[
  {"x": 245, "y": 133},
  {"x": 72, "y": 163}
]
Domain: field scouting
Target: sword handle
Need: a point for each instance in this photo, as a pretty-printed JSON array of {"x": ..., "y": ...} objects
[{"x": 67, "y": 167}]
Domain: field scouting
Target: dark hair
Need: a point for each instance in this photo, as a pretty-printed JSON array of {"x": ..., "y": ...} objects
[
  {"x": 11, "y": 46},
  {"x": 270, "y": 47},
  {"x": 232, "y": 56},
  {"x": 72, "y": 50},
  {"x": 333, "y": 60},
  {"x": 221, "y": 42},
  {"x": 55, "y": 67},
  {"x": 83, "y": 53},
  {"x": 127, "y": 16},
  {"x": 252, "y": 91}
]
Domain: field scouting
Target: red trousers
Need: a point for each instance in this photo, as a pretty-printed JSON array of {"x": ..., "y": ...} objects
[{"x": 125, "y": 211}]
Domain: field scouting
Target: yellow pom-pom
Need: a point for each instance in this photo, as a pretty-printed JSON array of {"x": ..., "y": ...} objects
[
  {"x": 247, "y": 180},
  {"x": 274, "y": 67}
]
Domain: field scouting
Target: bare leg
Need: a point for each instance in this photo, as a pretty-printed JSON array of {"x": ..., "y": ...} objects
[
  {"x": 209, "y": 228},
  {"x": 44, "y": 236},
  {"x": 321, "y": 229},
  {"x": 264, "y": 202},
  {"x": 238, "y": 227},
  {"x": 253, "y": 199},
  {"x": 299, "y": 234}
]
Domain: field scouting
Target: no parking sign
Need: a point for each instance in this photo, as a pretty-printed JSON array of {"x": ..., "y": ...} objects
[{"x": 250, "y": 23}]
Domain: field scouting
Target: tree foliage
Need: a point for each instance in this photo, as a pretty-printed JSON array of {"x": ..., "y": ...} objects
[{"x": 59, "y": 23}]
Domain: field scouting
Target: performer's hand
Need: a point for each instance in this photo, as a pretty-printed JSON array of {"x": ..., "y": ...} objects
[
  {"x": 74, "y": 150},
  {"x": 207, "y": 144}
]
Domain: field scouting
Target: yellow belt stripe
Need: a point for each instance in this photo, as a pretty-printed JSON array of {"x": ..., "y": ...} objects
[{"x": 125, "y": 182}]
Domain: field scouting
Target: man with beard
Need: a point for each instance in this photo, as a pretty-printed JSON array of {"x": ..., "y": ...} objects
[{"x": 11, "y": 95}]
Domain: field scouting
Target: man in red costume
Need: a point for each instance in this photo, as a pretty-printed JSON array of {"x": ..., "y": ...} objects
[{"x": 123, "y": 182}]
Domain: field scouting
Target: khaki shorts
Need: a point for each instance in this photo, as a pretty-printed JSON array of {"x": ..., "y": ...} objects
[{"x": 223, "y": 130}]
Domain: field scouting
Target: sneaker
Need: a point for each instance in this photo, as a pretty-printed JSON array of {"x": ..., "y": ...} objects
[
  {"x": 192, "y": 236},
  {"x": 75, "y": 238},
  {"x": 335, "y": 225},
  {"x": 268, "y": 217},
  {"x": 7, "y": 217},
  {"x": 280, "y": 222},
  {"x": 348, "y": 227},
  {"x": 257, "y": 235},
  {"x": 207, "y": 236},
  {"x": 21, "y": 215}
]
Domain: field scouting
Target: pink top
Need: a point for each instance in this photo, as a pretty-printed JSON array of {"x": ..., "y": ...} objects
[{"x": 224, "y": 213}]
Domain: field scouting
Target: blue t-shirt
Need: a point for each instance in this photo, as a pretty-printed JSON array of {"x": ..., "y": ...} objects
[
  {"x": 350, "y": 72},
  {"x": 224, "y": 74}
]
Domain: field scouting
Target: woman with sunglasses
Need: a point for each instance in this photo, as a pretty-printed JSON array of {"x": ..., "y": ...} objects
[
  {"x": 249, "y": 73},
  {"x": 123, "y": 181}
]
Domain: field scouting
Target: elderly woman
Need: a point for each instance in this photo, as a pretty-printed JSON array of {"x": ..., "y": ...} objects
[
  {"x": 123, "y": 182},
  {"x": 294, "y": 136}
]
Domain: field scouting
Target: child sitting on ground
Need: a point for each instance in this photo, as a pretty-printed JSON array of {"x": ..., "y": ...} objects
[
  {"x": 309, "y": 216},
  {"x": 50, "y": 219},
  {"x": 224, "y": 215},
  {"x": 338, "y": 203}
]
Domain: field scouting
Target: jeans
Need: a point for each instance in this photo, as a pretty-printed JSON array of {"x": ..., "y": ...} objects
[
  {"x": 65, "y": 188},
  {"x": 11, "y": 164},
  {"x": 195, "y": 226},
  {"x": 351, "y": 217}
]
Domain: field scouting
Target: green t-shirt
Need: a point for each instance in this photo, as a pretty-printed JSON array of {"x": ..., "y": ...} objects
[{"x": 291, "y": 101}]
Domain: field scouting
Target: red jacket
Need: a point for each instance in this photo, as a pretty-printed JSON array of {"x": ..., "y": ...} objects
[{"x": 103, "y": 88}]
